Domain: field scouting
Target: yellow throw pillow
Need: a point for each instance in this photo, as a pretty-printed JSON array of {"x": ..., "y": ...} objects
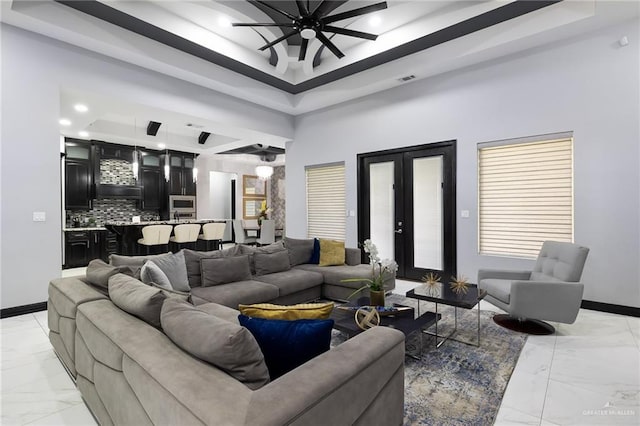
[
  {"x": 331, "y": 252},
  {"x": 292, "y": 312}
]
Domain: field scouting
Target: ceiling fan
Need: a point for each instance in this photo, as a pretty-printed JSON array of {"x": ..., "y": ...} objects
[{"x": 311, "y": 24}]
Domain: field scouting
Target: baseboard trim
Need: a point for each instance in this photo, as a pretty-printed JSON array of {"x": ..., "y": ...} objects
[
  {"x": 24, "y": 309},
  {"x": 610, "y": 308}
]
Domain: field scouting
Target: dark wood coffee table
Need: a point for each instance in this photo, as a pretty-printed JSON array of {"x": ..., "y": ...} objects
[
  {"x": 443, "y": 294},
  {"x": 405, "y": 321}
]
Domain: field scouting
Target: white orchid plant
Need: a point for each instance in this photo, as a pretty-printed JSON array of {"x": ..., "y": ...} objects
[{"x": 380, "y": 269}]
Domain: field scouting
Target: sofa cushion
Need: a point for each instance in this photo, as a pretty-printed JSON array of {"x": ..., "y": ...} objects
[
  {"x": 331, "y": 252},
  {"x": 233, "y": 294},
  {"x": 269, "y": 263},
  {"x": 174, "y": 267},
  {"x": 288, "y": 344},
  {"x": 224, "y": 312},
  {"x": 250, "y": 251},
  {"x": 135, "y": 261},
  {"x": 225, "y": 270},
  {"x": 335, "y": 274},
  {"x": 288, "y": 312},
  {"x": 226, "y": 345},
  {"x": 192, "y": 260},
  {"x": 300, "y": 250},
  {"x": 99, "y": 272},
  {"x": 292, "y": 281},
  {"x": 500, "y": 289},
  {"x": 137, "y": 298},
  {"x": 175, "y": 294},
  {"x": 151, "y": 273}
]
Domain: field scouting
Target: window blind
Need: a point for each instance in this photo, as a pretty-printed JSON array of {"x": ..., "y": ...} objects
[
  {"x": 326, "y": 204},
  {"x": 525, "y": 196}
]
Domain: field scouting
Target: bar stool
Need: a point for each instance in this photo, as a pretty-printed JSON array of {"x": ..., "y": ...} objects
[
  {"x": 185, "y": 233},
  {"x": 155, "y": 235},
  {"x": 213, "y": 232}
]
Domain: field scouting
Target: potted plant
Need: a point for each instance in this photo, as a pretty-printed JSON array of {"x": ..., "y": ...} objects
[{"x": 380, "y": 269}]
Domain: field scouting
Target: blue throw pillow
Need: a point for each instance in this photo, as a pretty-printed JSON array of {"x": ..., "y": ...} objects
[
  {"x": 315, "y": 254},
  {"x": 288, "y": 344}
]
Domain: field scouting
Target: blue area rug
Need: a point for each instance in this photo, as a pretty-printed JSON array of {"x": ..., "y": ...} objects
[{"x": 457, "y": 384}]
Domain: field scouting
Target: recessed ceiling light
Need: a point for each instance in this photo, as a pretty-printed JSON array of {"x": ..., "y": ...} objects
[
  {"x": 161, "y": 145},
  {"x": 64, "y": 122},
  {"x": 80, "y": 108},
  {"x": 224, "y": 22},
  {"x": 375, "y": 20},
  {"x": 83, "y": 134}
]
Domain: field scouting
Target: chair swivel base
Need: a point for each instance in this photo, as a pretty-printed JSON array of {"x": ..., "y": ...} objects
[{"x": 528, "y": 326}]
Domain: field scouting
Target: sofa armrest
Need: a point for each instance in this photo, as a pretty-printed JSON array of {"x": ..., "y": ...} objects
[
  {"x": 502, "y": 274},
  {"x": 546, "y": 300},
  {"x": 367, "y": 371},
  {"x": 352, "y": 256}
]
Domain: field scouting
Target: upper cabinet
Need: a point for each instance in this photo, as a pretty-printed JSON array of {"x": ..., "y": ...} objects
[
  {"x": 108, "y": 151},
  {"x": 151, "y": 177},
  {"x": 78, "y": 176},
  {"x": 181, "y": 174}
]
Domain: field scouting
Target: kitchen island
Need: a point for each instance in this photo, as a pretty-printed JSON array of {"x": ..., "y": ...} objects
[{"x": 128, "y": 233}]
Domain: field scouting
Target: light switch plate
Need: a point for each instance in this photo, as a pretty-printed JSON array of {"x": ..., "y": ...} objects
[
  {"x": 39, "y": 216},
  {"x": 464, "y": 213}
]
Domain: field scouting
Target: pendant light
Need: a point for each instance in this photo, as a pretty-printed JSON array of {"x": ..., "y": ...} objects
[
  {"x": 167, "y": 169},
  {"x": 135, "y": 165},
  {"x": 195, "y": 169}
]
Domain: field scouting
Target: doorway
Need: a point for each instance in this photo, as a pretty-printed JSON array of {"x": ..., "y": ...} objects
[{"x": 407, "y": 207}]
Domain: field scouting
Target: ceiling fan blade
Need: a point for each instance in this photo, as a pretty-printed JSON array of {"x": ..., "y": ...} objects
[
  {"x": 278, "y": 40},
  {"x": 302, "y": 7},
  {"x": 325, "y": 7},
  {"x": 332, "y": 47},
  {"x": 280, "y": 11},
  {"x": 258, "y": 24},
  {"x": 347, "y": 32},
  {"x": 303, "y": 49},
  {"x": 355, "y": 12}
]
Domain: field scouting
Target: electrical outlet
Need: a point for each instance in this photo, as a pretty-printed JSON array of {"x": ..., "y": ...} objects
[
  {"x": 464, "y": 213},
  {"x": 39, "y": 216}
]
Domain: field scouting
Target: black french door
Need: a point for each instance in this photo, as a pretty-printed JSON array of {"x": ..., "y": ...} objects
[{"x": 407, "y": 207}]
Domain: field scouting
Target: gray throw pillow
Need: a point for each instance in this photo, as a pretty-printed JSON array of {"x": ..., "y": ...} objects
[
  {"x": 270, "y": 263},
  {"x": 137, "y": 298},
  {"x": 192, "y": 261},
  {"x": 228, "y": 346},
  {"x": 225, "y": 270},
  {"x": 174, "y": 267},
  {"x": 151, "y": 273},
  {"x": 99, "y": 272},
  {"x": 250, "y": 251},
  {"x": 119, "y": 260},
  {"x": 300, "y": 250}
]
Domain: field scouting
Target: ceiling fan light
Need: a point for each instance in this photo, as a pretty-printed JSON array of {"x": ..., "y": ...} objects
[
  {"x": 264, "y": 172},
  {"x": 308, "y": 33}
]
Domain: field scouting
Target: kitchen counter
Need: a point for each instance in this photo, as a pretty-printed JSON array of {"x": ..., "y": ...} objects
[
  {"x": 163, "y": 222},
  {"x": 85, "y": 228}
]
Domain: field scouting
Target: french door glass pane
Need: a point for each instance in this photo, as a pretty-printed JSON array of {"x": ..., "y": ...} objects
[
  {"x": 382, "y": 207},
  {"x": 427, "y": 213}
]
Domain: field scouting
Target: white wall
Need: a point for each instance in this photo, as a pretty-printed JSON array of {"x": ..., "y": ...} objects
[
  {"x": 34, "y": 68},
  {"x": 589, "y": 86}
]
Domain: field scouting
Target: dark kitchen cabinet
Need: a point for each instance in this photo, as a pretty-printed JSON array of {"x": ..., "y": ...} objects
[
  {"x": 78, "y": 175},
  {"x": 83, "y": 246},
  {"x": 181, "y": 174},
  {"x": 152, "y": 179},
  {"x": 107, "y": 151}
]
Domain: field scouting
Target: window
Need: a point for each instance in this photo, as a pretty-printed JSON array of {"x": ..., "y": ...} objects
[
  {"x": 326, "y": 201},
  {"x": 525, "y": 194}
]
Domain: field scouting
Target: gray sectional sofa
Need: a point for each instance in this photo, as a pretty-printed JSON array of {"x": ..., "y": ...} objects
[{"x": 130, "y": 372}]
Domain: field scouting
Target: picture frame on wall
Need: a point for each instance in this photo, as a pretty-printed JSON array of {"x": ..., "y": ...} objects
[
  {"x": 253, "y": 186},
  {"x": 251, "y": 207}
]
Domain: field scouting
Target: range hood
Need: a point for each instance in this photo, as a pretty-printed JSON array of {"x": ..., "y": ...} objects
[{"x": 127, "y": 192}]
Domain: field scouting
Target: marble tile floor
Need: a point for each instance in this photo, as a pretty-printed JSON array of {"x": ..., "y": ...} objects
[{"x": 588, "y": 373}]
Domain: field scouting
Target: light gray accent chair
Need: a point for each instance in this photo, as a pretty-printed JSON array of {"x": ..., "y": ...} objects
[{"x": 551, "y": 292}]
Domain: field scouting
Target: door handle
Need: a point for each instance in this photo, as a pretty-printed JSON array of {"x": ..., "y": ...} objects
[{"x": 398, "y": 231}]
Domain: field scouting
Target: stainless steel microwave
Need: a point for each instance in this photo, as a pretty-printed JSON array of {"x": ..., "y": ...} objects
[{"x": 182, "y": 204}]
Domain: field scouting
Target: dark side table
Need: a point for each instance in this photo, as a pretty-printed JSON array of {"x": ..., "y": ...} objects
[{"x": 443, "y": 294}]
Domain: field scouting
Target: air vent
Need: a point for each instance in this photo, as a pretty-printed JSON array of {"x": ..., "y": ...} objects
[{"x": 406, "y": 78}]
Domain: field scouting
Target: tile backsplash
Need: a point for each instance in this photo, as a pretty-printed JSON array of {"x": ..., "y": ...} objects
[
  {"x": 116, "y": 172},
  {"x": 107, "y": 210}
]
